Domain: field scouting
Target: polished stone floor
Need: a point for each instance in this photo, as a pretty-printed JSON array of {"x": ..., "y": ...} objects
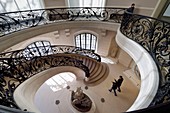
[{"x": 54, "y": 95}]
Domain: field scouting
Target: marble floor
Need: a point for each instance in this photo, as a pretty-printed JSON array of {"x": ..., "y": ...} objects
[{"x": 54, "y": 95}]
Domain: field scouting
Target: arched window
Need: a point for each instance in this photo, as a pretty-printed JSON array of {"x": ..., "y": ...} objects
[
  {"x": 39, "y": 48},
  {"x": 86, "y": 41},
  {"x": 20, "y": 5}
]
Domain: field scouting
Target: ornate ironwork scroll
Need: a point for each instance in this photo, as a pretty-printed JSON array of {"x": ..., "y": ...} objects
[
  {"x": 29, "y": 53},
  {"x": 153, "y": 35},
  {"x": 14, "y": 71},
  {"x": 15, "y": 21},
  {"x": 75, "y": 50}
]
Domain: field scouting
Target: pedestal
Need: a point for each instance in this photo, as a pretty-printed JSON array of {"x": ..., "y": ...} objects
[{"x": 92, "y": 110}]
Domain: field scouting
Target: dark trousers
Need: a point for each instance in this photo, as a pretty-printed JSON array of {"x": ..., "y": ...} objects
[
  {"x": 118, "y": 88},
  {"x": 114, "y": 90}
]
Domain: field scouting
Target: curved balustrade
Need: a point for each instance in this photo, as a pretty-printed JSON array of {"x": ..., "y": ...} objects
[
  {"x": 154, "y": 36},
  {"x": 18, "y": 66},
  {"x": 15, "y": 21},
  {"x": 150, "y": 33},
  {"x": 14, "y": 71},
  {"x": 29, "y": 53},
  {"x": 76, "y": 50}
]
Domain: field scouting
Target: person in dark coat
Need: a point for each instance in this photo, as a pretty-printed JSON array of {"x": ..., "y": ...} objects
[
  {"x": 131, "y": 9},
  {"x": 119, "y": 83},
  {"x": 127, "y": 17},
  {"x": 114, "y": 87}
]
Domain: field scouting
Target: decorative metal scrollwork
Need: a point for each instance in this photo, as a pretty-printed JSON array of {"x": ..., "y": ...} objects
[
  {"x": 154, "y": 36},
  {"x": 18, "y": 66},
  {"x": 48, "y": 50},
  {"x": 15, "y": 21},
  {"x": 14, "y": 71}
]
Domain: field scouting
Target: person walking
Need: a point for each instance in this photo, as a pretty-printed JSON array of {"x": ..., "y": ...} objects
[
  {"x": 114, "y": 87},
  {"x": 119, "y": 83}
]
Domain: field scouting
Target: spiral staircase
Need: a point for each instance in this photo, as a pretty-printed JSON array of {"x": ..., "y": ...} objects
[{"x": 153, "y": 39}]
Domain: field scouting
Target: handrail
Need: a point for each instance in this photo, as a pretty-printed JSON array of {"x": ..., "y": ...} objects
[
  {"x": 14, "y": 71},
  {"x": 149, "y": 75},
  {"x": 29, "y": 53},
  {"x": 20, "y": 65},
  {"x": 15, "y": 21},
  {"x": 154, "y": 36},
  {"x": 150, "y": 33}
]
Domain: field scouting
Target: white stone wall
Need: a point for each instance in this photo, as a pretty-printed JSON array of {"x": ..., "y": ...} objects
[
  {"x": 62, "y": 33},
  {"x": 148, "y": 71}
]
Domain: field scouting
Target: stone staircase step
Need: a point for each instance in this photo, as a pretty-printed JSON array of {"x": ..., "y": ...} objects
[
  {"x": 98, "y": 78},
  {"x": 97, "y": 67},
  {"x": 98, "y": 72},
  {"x": 93, "y": 65}
]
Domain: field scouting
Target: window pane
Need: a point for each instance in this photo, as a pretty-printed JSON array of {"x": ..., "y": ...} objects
[
  {"x": 38, "y": 44},
  {"x": 87, "y": 41},
  {"x": 23, "y": 5},
  {"x": 74, "y": 3},
  {"x": 35, "y": 4},
  {"x": 98, "y": 3},
  {"x": 46, "y": 43},
  {"x": 167, "y": 11},
  {"x": 9, "y": 5},
  {"x": 2, "y": 9},
  {"x": 16, "y": 5},
  {"x": 31, "y": 46},
  {"x": 78, "y": 44},
  {"x": 83, "y": 41},
  {"x": 93, "y": 43},
  {"x": 86, "y": 3},
  {"x": 77, "y": 41},
  {"x": 38, "y": 49}
]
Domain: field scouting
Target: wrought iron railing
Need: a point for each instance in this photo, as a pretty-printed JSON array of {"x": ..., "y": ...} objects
[
  {"x": 150, "y": 33},
  {"x": 14, "y": 71},
  {"x": 29, "y": 53},
  {"x": 153, "y": 35},
  {"x": 18, "y": 66},
  {"x": 15, "y": 21}
]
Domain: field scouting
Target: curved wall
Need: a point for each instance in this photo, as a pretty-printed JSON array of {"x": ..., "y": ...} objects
[
  {"x": 148, "y": 71},
  {"x": 25, "y": 93},
  {"x": 147, "y": 67},
  {"x": 46, "y": 32}
]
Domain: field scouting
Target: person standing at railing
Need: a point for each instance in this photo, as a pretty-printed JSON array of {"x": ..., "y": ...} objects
[
  {"x": 127, "y": 16},
  {"x": 131, "y": 8}
]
